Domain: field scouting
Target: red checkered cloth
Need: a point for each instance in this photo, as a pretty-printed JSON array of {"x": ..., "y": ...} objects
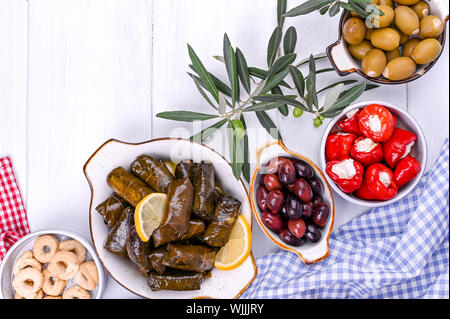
[{"x": 13, "y": 217}]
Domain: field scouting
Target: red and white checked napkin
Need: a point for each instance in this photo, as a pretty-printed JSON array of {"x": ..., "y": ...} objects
[{"x": 13, "y": 217}]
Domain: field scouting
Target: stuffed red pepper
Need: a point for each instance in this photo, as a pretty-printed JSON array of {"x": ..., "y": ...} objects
[
  {"x": 406, "y": 170},
  {"x": 350, "y": 124},
  {"x": 377, "y": 123},
  {"x": 398, "y": 146},
  {"x": 347, "y": 174},
  {"x": 338, "y": 146},
  {"x": 366, "y": 151},
  {"x": 378, "y": 183}
]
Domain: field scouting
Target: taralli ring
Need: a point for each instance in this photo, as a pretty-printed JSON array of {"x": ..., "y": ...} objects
[
  {"x": 75, "y": 247},
  {"x": 52, "y": 286},
  {"x": 76, "y": 293},
  {"x": 52, "y": 297},
  {"x": 87, "y": 277},
  {"x": 26, "y": 261},
  {"x": 28, "y": 282},
  {"x": 64, "y": 265},
  {"x": 44, "y": 248}
]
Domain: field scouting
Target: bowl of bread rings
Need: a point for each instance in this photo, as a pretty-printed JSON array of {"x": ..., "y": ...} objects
[{"x": 51, "y": 264}]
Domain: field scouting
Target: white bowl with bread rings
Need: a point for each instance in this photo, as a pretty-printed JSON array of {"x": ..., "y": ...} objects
[{"x": 51, "y": 264}]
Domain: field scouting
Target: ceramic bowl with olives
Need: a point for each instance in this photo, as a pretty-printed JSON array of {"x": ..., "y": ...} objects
[
  {"x": 396, "y": 47},
  {"x": 292, "y": 202}
]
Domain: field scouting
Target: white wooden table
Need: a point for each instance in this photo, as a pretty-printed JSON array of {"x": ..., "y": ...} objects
[{"x": 74, "y": 73}]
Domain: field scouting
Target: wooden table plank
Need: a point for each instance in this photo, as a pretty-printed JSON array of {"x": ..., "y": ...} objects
[{"x": 13, "y": 87}]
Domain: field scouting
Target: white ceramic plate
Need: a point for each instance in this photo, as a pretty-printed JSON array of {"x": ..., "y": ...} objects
[{"x": 222, "y": 284}]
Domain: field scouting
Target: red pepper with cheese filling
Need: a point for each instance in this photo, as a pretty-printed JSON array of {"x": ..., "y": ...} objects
[
  {"x": 378, "y": 183},
  {"x": 366, "y": 151},
  {"x": 338, "y": 145},
  {"x": 350, "y": 124},
  {"x": 406, "y": 170},
  {"x": 377, "y": 123},
  {"x": 398, "y": 146},
  {"x": 347, "y": 174}
]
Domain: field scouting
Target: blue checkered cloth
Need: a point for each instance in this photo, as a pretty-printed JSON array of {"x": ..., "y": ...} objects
[{"x": 396, "y": 251}]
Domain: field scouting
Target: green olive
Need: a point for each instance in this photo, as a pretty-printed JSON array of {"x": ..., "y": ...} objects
[
  {"x": 374, "y": 63},
  {"x": 354, "y": 30},
  {"x": 390, "y": 55},
  {"x": 386, "y": 39},
  {"x": 358, "y": 51},
  {"x": 409, "y": 47},
  {"x": 399, "y": 69},
  {"x": 386, "y": 3},
  {"x": 406, "y": 20},
  {"x": 403, "y": 37},
  {"x": 430, "y": 27},
  {"x": 422, "y": 9},
  {"x": 368, "y": 33},
  {"x": 407, "y": 2},
  {"x": 426, "y": 51},
  {"x": 384, "y": 20}
]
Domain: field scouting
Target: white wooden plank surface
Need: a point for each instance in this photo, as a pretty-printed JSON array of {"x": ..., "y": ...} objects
[
  {"x": 102, "y": 69},
  {"x": 13, "y": 87}
]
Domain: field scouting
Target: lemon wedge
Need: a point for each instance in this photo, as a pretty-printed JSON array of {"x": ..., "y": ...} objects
[
  {"x": 148, "y": 214},
  {"x": 238, "y": 247}
]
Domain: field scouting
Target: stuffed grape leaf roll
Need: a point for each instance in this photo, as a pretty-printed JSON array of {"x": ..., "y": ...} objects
[
  {"x": 117, "y": 237},
  {"x": 128, "y": 186},
  {"x": 137, "y": 250},
  {"x": 175, "y": 280},
  {"x": 225, "y": 215},
  {"x": 204, "y": 188},
  {"x": 197, "y": 258},
  {"x": 155, "y": 259},
  {"x": 111, "y": 209},
  {"x": 154, "y": 172},
  {"x": 177, "y": 212},
  {"x": 185, "y": 169}
]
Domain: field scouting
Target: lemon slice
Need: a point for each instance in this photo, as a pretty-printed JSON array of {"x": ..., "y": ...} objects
[
  {"x": 148, "y": 214},
  {"x": 234, "y": 253}
]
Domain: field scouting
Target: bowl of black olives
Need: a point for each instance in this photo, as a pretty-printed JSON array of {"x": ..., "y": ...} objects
[{"x": 292, "y": 202}]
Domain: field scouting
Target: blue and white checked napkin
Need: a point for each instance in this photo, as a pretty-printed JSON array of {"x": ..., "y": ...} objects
[{"x": 396, "y": 251}]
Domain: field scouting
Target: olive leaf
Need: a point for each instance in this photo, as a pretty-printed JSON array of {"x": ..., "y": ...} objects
[
  {"x": 231, "y": 66},
  {"x": 207, "y": 132},
  {"x": 242, "y": 69},
  {"x": 203, "y": 74},
  {"x": 307, "y": 7},
  {"x": 185, "y": 116},
  {"x": 246, "y": 165},
  {"x": 274, "y": 44},
  {"x": 290, "y": 40},
  {"x": 268, "y": 124}
]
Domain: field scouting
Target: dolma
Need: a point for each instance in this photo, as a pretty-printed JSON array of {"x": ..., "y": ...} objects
[
  {"x": 111, "y": 209},
  {"x": 204, "y": 187},
  {"x": 196, "y": 228},
  {"x": 137, "y": 250},
  {"x": 155, "y": 259},
  {"x": 177, "y": 212},
  {"x": 185, "y": 169},
  {"x": 117, "y": 237},
  {"x": 190, "y": 257},
  {"x": 225, "y": 216},
  {"x": 128, "y": 186},
  {"x": 153, "y": 172},
  {"x": 175, "y": 280}
]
